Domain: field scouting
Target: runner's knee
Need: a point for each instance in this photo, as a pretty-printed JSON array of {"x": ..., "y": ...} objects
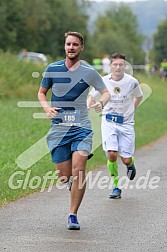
[
  {"x": 112, "y": 156},
  {"x": 126, "y": 161},
  {"x": 78, "y": 171}
]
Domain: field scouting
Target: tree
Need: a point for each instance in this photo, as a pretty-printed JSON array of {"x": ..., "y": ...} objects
[
  {"x": 40, "y": 25},
  {"x": 66, "y": 15},
  {"x": 23, "y": 22},
  {"x": 117, "y": 31},
  {"x": 9, "y": 18},
  {"x": 160, "y": 42}
]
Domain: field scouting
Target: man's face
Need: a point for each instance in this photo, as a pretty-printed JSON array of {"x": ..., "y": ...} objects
[
  {"x": 73, "y": 47},
  {"x": 118, "y": 67}
]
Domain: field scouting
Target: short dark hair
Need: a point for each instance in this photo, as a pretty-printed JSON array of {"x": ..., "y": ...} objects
[
  {"x": 77, "y": 34},
  {"x": 117, "y": 56}
]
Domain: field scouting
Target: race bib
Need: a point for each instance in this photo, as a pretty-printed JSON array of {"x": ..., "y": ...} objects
[
  {"x": 70, "y": 118},
  {"x": 116, "y": 118}
]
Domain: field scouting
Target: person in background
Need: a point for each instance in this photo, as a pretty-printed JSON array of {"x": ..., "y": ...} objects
[
  {"x": 118, "y": 135},
  {"x": 70, "y": 136},
  {"x": 105, "y": 64},
  {"x": 23, "y": 55},
  {"x": 97, "y": 64},
  {"x": 163, "y": 69}
]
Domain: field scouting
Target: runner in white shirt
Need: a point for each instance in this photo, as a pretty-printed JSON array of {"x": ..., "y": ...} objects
[{"x": 118, "y": 135}]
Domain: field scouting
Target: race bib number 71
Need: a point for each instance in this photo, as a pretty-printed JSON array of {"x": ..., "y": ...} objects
[{"x": 116, "y": 118}]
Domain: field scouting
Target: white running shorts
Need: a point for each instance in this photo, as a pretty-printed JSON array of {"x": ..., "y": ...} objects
[{"x": 118, "y": 137}]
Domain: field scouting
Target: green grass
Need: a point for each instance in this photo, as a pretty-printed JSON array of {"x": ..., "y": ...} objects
[
  {"x": 19, "y": 131},
  {"x": 16, "y": 77},
  {"x": 151, "y": 116}
]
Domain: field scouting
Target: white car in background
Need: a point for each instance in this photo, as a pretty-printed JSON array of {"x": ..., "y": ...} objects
[{"x": 37, "y": 58}]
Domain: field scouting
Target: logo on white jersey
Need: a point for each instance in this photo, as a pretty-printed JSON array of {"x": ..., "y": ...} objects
[{"x": 117, "y": 90}]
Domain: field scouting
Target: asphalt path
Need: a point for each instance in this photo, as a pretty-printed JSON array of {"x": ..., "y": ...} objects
[{"x": 136, "y": 222}]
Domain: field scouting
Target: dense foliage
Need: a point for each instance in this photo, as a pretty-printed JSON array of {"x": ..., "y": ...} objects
[
  {"x": 116, "y": 31},
  {"x": 40, "y": 26},
  {"x": 160, "y": 42}
]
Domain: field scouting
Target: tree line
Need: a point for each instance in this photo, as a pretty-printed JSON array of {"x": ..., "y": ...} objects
[{"x": 40, "y": 26}]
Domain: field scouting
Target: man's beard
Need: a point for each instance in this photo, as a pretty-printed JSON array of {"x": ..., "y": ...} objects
[{"x": 74, "y": 57}]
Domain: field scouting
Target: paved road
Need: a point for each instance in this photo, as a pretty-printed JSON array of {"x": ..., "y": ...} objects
[{"x": 136, "y": 222}]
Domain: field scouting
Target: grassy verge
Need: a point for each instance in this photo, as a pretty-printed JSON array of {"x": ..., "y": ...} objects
[
  {"x": 19, "y": 131},
  {"x": 16, "y": 77},
  {"x": 151, "y": 116}
]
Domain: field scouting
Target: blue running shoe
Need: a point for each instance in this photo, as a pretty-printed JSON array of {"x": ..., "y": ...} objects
[
  {"x": 115, "y": 194},
  {"x": 131, "y": 172},
  {"x": 73, "y": 222}
]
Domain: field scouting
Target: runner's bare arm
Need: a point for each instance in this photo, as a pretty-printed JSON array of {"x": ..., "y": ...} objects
[
  {"x": 50, "y": 111},
  {"x": 137, "y": 101},
  {"x": 105, "y": 97}
]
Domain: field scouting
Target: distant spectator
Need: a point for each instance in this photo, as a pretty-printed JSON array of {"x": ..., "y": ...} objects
[
  {"x": 153, "y": 68},
  {"x": 97, "y": 63},
  {"x": 23, "y": 55},
  {"x": 105, "y": 64},
  {"x": 163, "y": 69},
  {"x": 148, "y": 68}
]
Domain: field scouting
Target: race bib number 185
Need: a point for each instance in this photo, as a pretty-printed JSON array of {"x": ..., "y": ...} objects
[{"x": 70, "y": 118}]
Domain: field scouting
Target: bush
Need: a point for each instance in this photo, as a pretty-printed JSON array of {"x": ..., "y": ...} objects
[{"x": 16, "y": 78}]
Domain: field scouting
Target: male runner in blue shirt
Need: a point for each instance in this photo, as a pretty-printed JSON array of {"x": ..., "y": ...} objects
[{"x": 70, "y": 137}]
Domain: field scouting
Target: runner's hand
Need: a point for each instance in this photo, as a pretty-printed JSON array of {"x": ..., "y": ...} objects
[
  {"x": 97, "y": 106},
  {"x": 52, "y": 112}
]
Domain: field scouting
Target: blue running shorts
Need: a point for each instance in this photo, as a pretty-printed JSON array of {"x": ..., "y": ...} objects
[{"x": 80, "y": 140}]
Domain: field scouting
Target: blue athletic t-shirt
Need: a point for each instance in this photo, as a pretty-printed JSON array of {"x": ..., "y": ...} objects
[{"x": 69, "y": 92}]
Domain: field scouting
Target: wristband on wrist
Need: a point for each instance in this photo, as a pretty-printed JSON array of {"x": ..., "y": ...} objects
[{"x": 101, "y": 104}]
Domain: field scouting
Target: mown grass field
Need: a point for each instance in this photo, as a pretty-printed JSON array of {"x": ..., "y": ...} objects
[{"x": 19, "y": 130}]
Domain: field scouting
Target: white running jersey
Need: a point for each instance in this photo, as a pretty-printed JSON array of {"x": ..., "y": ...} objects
[{"x": 122, "y": 93}]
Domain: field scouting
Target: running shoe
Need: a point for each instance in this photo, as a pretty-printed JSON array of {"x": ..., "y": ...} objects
[
  {"x": 115, "y": 194},
  {"x": 131, "y": 172},
  {"x": 73, "y": 222}
]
